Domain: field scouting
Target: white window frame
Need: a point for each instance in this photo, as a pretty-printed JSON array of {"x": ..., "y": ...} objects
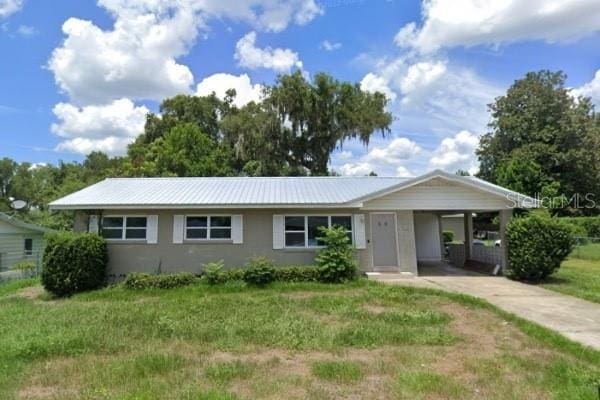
[
  {"x": 27, "y": 252},
  {"x": 124, "y": 228},
  {"x": 305, "y": 231},
  {"x": 208, "y": 228}
]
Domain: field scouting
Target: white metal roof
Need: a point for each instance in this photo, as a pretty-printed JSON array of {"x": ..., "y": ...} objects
[
  {"x": 250, "y": 192},
  {"x": 238, "y": 191}
]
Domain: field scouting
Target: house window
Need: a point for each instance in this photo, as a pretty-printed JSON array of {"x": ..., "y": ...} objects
[
  {"x": 208, "y": 227},
  {"x": 28, "y": 247},
  {"x": 304, "y": 231},
  {"x": 124, "y": 228}
]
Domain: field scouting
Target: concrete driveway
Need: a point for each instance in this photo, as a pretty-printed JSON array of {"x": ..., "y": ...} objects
[{"x": 574, "y": 318}]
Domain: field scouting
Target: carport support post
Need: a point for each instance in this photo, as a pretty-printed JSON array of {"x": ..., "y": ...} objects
[
  {"x": 505, "y": 216},
  {"x": 468, "y": 218}
]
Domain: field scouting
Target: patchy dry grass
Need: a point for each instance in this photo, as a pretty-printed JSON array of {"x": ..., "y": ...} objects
[{"x": 358, "y": 340}]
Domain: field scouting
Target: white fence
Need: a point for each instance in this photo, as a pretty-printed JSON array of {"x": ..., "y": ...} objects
[
  {"x": 487, "y": 254},
  {"x": 491, "y": 255}
]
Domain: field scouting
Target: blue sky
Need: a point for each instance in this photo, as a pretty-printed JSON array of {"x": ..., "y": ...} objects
[{"x": 77, "y": 75}]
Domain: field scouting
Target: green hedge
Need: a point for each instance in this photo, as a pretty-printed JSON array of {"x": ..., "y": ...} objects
[
  {"x": 448, "y": 236},
  {"x": 137, "y": 280},
  {"x": 584, "y": 226},
  {"x": 73, "y": 262},
  {"x": 537, "y": 245}
]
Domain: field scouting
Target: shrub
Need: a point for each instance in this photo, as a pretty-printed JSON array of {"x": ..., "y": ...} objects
[
  {"x": 137, "y": 280},
  {"x": 537, "y": 245},
  {"x": 586, "y": 226},
  {"x": 213, "y": 273},
  {"x": 335, "y": 261},
  {"x": 259, "y": 271},
  {"x": 448, "y": 236},
  {"x": 297, "y": 274},
  {"x": 73, "y": 262},
  {"x": 26, "y": 266}
]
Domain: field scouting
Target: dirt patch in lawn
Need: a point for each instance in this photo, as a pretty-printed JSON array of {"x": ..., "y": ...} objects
[{"x": 31, "y": 293}]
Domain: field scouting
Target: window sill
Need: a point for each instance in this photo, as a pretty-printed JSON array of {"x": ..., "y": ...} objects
[
  {"x": 207, "y": 241},
  {"x": 301, "y": 249},
  {"x": 127, "y": 241}
]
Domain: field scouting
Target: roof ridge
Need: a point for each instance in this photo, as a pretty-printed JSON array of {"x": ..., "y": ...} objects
[{"x": 255, "y": 177}]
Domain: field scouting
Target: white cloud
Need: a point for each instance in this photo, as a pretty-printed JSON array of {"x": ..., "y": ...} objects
[
  {"x": 457, "y": 152},
  {"x": 418, "y": 80},
  {"x": 403, "y": 172},
  {"x": 590, "y": 89},
  {"x": 9, "y": 7},
  {"x": 374, "y": 83},
  {"x": 26, "y": 31},
  {"x": 136, "y": 59},
  {"x": 107, "y": 128},
  {"x": 474, "y": 22},
  {"x": 252, "y": 57},
  {"x": 345, "y": 155},
  {"x": 356, "y": 169},
  {"x": 221, "y": 82},
  {"x": 396, "y": 151},
  {"x": 110, "y": 145},
  {"x": 266, "y": 15},
  {"x": 385, "y": 159},
  {"x": 330, "y": 46}
]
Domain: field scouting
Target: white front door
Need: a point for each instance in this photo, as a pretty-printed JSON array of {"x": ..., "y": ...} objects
[{"x": 383, "y": 239}]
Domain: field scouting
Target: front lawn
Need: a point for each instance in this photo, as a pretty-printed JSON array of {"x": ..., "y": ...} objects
[
  {"x": 293, "y": 341},
  {"x": 577, "y": 277}
]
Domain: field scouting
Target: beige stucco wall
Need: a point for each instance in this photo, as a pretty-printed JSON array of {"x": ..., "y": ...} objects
[{"x": 125, "y": 257}]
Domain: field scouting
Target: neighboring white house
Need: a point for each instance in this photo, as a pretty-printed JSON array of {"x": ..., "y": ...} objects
[
  {"x": 455, "y": 223},
  {"x": 179, "y": 224},
  {"x": 19, "y": 241}
]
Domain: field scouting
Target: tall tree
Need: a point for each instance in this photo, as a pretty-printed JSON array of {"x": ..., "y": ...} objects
[{"x": 542, "y": 140}]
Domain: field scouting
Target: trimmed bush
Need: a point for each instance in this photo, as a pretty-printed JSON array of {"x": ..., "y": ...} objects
[
  {"x": 259, "y": 271},
  {"x": 537, "y": 245},
  {"x": 137, "y": 280},
  {"x": 297, "y": 274},
  {"x": 73, "y": 262},
  {"x": 586, "y": 226},
  {"x": 335, "y": 261},
  {"x": 448, "y": 236}
]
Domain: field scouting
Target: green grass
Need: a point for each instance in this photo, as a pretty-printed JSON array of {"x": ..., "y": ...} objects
[
  {"x": 590, "y": 251},
  {"x": 14, "y": 286},
  {"x": 337, "y": 371},
  {"x": 361, "y": 340},
  {"x": 577, "y": 277}
]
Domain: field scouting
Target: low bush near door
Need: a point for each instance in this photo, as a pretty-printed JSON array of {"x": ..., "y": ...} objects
[
  {"x": 73, "y": 262},
  {"x": 537, "y": 244},
  {"x": 335, "y": 261}
]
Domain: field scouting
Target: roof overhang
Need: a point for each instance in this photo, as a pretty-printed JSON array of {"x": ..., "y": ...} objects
[{"x": 201, "y": 206}]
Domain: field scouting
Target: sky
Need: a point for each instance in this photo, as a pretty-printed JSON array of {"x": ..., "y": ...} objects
[{"x": 78, "y": 76}]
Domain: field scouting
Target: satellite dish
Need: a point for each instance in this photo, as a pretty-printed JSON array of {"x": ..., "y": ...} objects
[{"x": 18, "y": 204}]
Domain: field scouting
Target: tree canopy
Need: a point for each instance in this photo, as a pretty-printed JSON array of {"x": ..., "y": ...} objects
[
  {"x": 543, "y": 141},
  {"x": 292, "y": 130}
]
